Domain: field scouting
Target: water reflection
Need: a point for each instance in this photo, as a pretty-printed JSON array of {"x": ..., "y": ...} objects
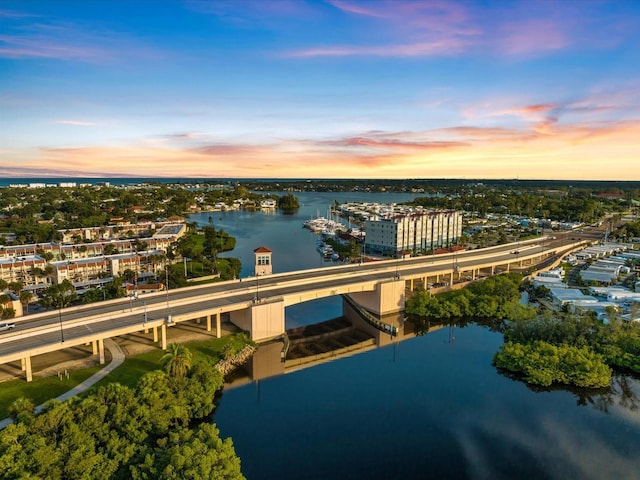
[{"x": 428, "y": 406}]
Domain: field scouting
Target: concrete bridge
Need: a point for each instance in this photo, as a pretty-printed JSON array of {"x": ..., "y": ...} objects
[{"x": 257, "y": 304}]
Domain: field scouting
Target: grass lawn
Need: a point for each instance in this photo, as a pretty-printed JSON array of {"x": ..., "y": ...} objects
[
  {"x": 42, "y": 389},
  {"x": 135, "y": 367}
]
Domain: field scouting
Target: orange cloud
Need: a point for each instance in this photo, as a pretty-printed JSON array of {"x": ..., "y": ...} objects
[{"x": 579, "y": 150}]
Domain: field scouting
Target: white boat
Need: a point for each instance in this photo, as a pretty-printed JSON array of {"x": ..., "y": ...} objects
[
  {"x": 324, "y": 249},
  {"x": 326, "y": 226}
]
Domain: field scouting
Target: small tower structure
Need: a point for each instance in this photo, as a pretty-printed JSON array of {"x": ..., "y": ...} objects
[{"x": 262, "y": 261}]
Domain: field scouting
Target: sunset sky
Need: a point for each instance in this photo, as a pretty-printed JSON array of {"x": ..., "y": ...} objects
[{"x": 320, "y": 89}]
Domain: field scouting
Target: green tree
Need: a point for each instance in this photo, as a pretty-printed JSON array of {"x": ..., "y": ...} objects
[
  {"x": 177, "y": 360},
  {"x": 16, "y": 287},
  {"x": 117, "y": 432},
  {"x": 541, "y": 363},
  {"x": 288, "y": 203},
  {"x": 129, "y": 275},
  {"x": 59, "y": 295},
  {"x": 21, "y": 410},
  {"x": 25, "y": 298},
  {"x": 191, "y": 454}
]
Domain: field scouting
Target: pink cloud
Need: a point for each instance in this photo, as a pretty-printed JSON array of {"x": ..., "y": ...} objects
[
  {"x": 472, "y": 135},
  {"x": 13, "y": 46},
  {"x": 538, "y": 108},
  {"x": 546, "y": 127},
  {"x": 413, "y": 28},
  {"x": 71, "y": 42},
  {"x": 75, "y": 123},
  {"x": 541, "y": 150},
  {"x": 357, "y": 9},
  {"x": 11, "y": 14},
  {"x": 531, "y": 36},
  {"x": 391, "y": 142},
  {"x": 420, "y": 49}
]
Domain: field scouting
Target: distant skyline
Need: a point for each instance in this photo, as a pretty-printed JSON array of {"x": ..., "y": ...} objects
[{"x": 320, "y": 89}]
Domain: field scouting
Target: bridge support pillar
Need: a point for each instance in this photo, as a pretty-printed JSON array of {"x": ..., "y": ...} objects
[
  {"x": 218, "y": 326},
  {"x": 209, "y": 323},
  {"x": 101, "y": 351},
  {"x": 27, "y": 368},
  {"x": 163, "y": 334},
  {"x": 94, "y": 347},
  {"x": 263, "y": 321},
  {"x": 155, "y": 334},
  {"x": 388, "y": 297}
]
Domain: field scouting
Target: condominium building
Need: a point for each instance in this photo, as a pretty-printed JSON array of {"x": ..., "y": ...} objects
[
  {"x": 93, "y": 272},
  {"x": 86, "y": 265},
  {"x": 414, "y": 232},
  {"x": 26, "y": 269},
  {"x": 108, "y": 232}
]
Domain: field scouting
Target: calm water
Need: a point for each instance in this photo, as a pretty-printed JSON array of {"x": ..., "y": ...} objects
[
  {"x": 428, "y": 407},
  {"x": 294, "y": 247}
]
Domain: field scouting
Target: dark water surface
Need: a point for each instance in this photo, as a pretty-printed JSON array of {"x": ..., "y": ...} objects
[{"x": 428, "y": 407}]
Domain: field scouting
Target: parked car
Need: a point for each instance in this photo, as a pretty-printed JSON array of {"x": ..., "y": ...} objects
[{"x": 6, "y": 326}]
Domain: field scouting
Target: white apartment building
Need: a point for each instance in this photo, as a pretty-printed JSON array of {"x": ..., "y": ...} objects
[
  {"x": 86, "y": 264},
  {"x": 85, "y": 250},
  {"x": 26, "y": 269},
  {"x": 413, "y": 232},
  {"x": 92, "y": 272},
  {"x": 107, "y": 232}
]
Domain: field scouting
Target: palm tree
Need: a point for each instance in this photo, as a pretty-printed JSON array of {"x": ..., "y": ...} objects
[
  {"x": 26, "y": 297},
  {"x": 177, "y": 360},
  {"x": 59, "y": 295},
  {"x": 4, "y": 299},
  {"x": 48, "y": 271},
  {"x": 16, "y": 287}
]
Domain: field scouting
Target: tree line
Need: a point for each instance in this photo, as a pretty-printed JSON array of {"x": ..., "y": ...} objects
[
  {"x": 542, "y": 347},
  {"x": 159, "y": 429}
]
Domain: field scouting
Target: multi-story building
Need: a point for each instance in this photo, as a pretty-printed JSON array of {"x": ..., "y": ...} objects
[
  {"x": 414, "y": 232},
  {"x": 85, "y": 250},
  {"x": 108, "y": 232},
  {"x": 38, "y": 266},
  {"x": 93, "y": 272},
  {"x": 26, "y": 269}
]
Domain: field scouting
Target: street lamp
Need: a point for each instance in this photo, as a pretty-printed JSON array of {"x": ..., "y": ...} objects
[
  {"x": 60, "y": 321},
  {"x": 456, "y": 269},
  {"x": 144, "y": 303},
  {"x": 257, "y": 299},
  {"x": 166, "y": 281}
]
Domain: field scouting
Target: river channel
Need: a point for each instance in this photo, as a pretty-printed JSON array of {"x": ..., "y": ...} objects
[{"x": 431, "y": 406}]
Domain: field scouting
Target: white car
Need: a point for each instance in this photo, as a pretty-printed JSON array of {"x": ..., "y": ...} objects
[{"x": 6, "y": 326}]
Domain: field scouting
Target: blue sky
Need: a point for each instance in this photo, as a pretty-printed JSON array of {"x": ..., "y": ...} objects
[{"x": 339, "y": 88}]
